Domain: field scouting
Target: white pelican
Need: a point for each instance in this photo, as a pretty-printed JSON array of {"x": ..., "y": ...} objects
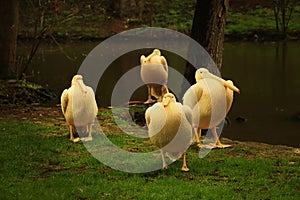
[
  {"x": 79, "y": 107},
  {"x": 170, "y": 128},
  {"x": 210, "y": 100},
  {"x": 154, "y": 73}
]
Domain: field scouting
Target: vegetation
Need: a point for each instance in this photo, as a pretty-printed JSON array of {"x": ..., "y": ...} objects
[
  {"x": 101, "y": 19},
  {"x": 39, "y": 162},
  {"x": 258, "y": 21},
  {"x": 23, "y": 92}
]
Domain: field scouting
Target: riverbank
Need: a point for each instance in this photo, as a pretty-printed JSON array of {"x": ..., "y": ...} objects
[
  {"x": 252, "y": 21},
  {"x": 25, "y": 93}
]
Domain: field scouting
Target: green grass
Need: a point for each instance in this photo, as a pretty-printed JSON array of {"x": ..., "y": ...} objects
[
  {"x": 258, "y": 20},
  {"x": 76, "y": 20},
  {"x": 39, "y": 162}
]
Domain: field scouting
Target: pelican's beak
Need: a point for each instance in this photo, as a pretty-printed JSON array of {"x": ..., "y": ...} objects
[
  {"x": 81, "y": 85},
  {"x": 225, "y": 83},
  {"x": 166, "y": 101}
]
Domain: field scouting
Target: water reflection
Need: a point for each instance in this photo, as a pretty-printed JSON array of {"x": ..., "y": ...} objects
[
  {"x": 269, "y": 78},
  {"x": 267, "y": 74}
]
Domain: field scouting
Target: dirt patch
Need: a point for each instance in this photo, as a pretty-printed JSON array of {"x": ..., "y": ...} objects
[{"x": 31, "y": 113}]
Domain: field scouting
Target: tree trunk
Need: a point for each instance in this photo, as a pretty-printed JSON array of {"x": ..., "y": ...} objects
[
  {"x": 208, "y": 30},
  {"x": 9, "y": 10},
  {"x": 283, "y": 15}
]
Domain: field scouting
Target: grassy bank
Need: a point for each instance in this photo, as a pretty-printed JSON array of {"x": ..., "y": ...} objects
[
  {"x": 259, "y": 23},
  {"x": 87, "y": 21},
  {"x": 39, "y": 162}
]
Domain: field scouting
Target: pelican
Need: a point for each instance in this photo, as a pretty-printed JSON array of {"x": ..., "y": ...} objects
[
  {"x": 79, "y": 107},
  {"x": 170, "y": 128},
  {"x": 154, "y": 73},
  {"x": 210, "y": 100}
]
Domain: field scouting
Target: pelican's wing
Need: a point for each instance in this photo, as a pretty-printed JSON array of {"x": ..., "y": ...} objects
[
  {"x": 96, "y": 107},
  {"x": 188, "y": 113},
  {"x": 163, "y": 61},
  {"x": 64, "y": 100},
  {"x": 155, "y": 119},
  {"x": 192, "y": 95},
  {"x": 156, "y": 112},
  {"x": 147, "y": 116},
  {"x": 93, "y": 101}
]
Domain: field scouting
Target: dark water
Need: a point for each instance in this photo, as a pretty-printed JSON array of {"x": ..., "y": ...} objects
[
  {"x": 269, "y": 78},
  {"x": 268, "y": 75}
]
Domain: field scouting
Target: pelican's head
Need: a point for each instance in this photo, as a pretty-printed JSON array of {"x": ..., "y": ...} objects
[
  {"x": 78, "y": 79},
  {"x": 168, "y": 98},
  {"x": 202, "y": 73},
  {"x": 156, "y": 52}
]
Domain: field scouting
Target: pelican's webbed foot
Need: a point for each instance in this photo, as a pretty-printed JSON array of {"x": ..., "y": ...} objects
[
  {"x": 149, "y": 101},
  {"x": 86, "y": 139},
  {"x": 75, "y": 140}
]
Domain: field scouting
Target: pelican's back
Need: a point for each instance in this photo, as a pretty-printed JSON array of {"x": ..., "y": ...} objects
[
  {"x": 154, "y": 70},
  {"x": 81, "y": 108},
  {"x": 84, "y": 106}
]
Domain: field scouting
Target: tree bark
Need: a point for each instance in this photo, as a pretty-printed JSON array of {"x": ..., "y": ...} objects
[
  {"x": 9, "y": 10},
  {"x": 208, "y": 30}
]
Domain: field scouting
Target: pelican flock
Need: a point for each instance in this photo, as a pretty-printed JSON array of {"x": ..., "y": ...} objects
[
  {"x": 210, "y": 100},
  {"x": 170, "y": 128},
  {"x": 154, "y": 73},
  {"x": 79, "y": 107}
]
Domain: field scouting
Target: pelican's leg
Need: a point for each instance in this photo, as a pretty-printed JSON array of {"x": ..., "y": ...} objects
[
  {"x": 149, "y": 100},
  {"x": 218, "y": 144},
  {"x": 163, "y": 157},
  {"x": 89, "y": 130},
  {"x": 72, "y": 128},
  {"x": 164, "y": 90},
  {"x": 198, "y": 136},
  {"x": 184, "y": 166},
  {"x": 71, "y": 133},
  {"x": 149, "y": 91},
  {"x": 216, "y": 138},
  {"x": 159, "y": 99}
]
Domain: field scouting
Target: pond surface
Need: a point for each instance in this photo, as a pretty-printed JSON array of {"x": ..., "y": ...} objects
[
  {"x": 269, "y": 78},
  {"x": 268, "y": 75}
]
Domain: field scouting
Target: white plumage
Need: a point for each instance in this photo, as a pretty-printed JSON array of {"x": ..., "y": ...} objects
[
  {"x": 170, "y": 128},
  {"x": 79, "y": 107},
  {"x": 154, "y": 73},
  {"x": 210, "y": 100}
]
